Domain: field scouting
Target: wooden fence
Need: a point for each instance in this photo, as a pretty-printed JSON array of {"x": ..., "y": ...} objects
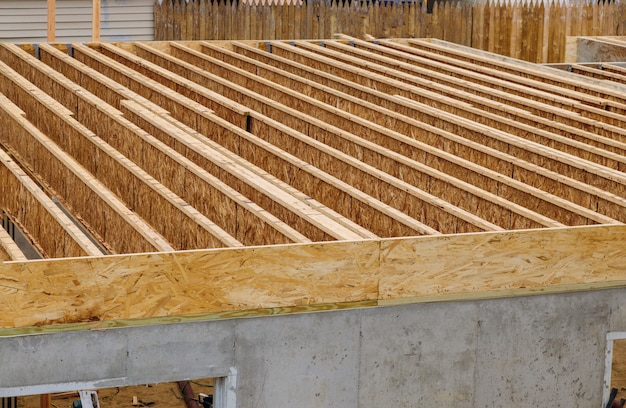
[{"x": 531, "y": 31}]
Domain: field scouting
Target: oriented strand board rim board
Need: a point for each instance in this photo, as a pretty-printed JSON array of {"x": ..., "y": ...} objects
[{"x": 249, "y": 281}]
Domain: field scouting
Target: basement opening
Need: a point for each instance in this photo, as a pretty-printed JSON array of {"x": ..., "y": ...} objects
[
  {"x": 218, "y": 392},
  {"x": 614, "y": 394}
]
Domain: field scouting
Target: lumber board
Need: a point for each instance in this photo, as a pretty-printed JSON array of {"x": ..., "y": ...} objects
[
  {"x": 120, "y": 227},
  {"x": 521, "y": 69},
  {"x": 287, "y": 278},
  {"x": 450, "y": 188},
  {"x": 434, "y": 204},
  {"x": 171, "y": 216},
  {"x": 296, "y": 212},
  {"x": 386, "y": 220},
  {"x": 225, "y": 167},
  {"x": 247, "y": 211},
  {"x": 380, "y": 101},
  {"x": 198, "y": 142},
  {"x": 9, "y": 251},
  {"x": 597, "y": 73},
  {"x": 482, "y": 110},
  {"x": 579, "y": 168},
  {"x": 193, "y": 92},
  {"x": 55, "y": 235},
  {"x": 95, "y": 20},
  {"x": 613, "y": 68},
  {"x": 443, "y": 71},
  {"x": 593, "y": 119},
  {"x": 432, "y": 117},
  {"x": 102, "y": 55},
  {"x": 182, "y": 181},
  {"x": 51, "y": 20},
  {"x": 545, "y": 82}
]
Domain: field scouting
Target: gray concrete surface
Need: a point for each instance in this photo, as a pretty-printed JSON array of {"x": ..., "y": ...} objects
[{"x": 534, "y": 351}]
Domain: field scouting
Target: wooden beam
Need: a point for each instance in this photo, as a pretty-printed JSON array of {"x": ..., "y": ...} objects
[
  {"x": 54, "y": 233},
  {"x": 120, "y": 227},
  {"x": 574, "y": 114},
  {"x": 178, "y": 222},
  {"x": 531, "y": 80},
  {"x": 45, "y": 401},
  {"x": 176, "y": 137},
  {"x": 473, "y": 107},
  {"x": 427, "y": 120},
  {"x": 51, "y": 19},
  {"x": 251, "y": 280},
  {"x": 164, "y": 163},
  {"x": 295, "y": 75},
  {"x": 382, "y": 218},
  {"x": 9, "y": 251},
  {"x": 577, "y": 171},
  {"x": 416, "y": 198},
  {"x": 594, "y": 72},
  {"x": 520, "y": 68},
  {"x": 95, "y": 21},
  {"x": 271, "y": 83}
]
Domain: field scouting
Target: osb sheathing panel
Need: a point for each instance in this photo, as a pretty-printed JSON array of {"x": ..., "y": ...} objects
[{"x": 310, "y": 276}]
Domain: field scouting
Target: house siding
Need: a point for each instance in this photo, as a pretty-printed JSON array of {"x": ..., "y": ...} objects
[{"x": 121, "y": 20}]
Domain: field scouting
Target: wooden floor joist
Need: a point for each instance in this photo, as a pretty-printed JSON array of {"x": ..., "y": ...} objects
[
  {"x": 451, "y": 189},
  {"x": 494, "y": 99},
  {"x": 537, "y": 82},
  {"x": 53, "y": 233},
  {"x": 295, "y": 82},
  {"x": 380, "y": 217},
  {"x": 9, "y": 251},
  {"x": 372, "y": 181},
  {"x": 521, "y": 69},
  {"x": 178, "y": 222},
  {"x": 250, "y": 154},
  {"x": 459, "y": 219},
  {"x": 120, "y": 228},
  {"x": 435, "y": 136},
  {"x": 565, "y": 138}
]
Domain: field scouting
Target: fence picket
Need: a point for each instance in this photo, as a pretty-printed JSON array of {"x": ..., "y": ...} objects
[{"x": 531, "y": 30}]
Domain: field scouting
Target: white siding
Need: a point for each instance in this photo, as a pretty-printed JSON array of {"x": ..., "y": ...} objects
[
  {"x": 121, "y": 20},
  {"x": 126, "y": 20},
  {"x": 23, "y": 21}
]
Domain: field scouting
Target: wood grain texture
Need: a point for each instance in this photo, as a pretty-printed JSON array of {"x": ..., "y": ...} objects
[
  {"x": 166, "y": 285},
  {"x": 533, "y": 31}
]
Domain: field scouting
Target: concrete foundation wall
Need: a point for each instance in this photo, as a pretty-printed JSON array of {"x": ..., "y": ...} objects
[{"x": 544, "y": 350}]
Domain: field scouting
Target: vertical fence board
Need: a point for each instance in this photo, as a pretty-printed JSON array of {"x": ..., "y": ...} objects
[{"x": 531, "y": 30}]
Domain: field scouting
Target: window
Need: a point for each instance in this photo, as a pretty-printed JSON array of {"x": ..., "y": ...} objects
[{"x": 615, "y": 369}]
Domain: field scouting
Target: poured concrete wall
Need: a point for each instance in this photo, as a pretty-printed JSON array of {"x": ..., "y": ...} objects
[{"x": 530, "y": 351}]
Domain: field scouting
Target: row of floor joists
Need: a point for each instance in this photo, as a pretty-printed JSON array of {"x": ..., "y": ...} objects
[{"x": 140, "y": 147}]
